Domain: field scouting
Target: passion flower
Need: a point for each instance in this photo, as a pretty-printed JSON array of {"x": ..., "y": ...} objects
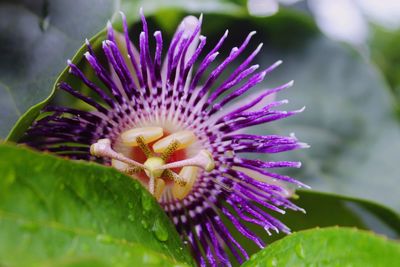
[{"x": 181, "y": 130}]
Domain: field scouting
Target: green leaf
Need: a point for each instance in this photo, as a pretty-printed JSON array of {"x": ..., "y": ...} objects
[
  {"x": 329, "y": 247},
  {"x": 324, "y": 210},
  {"x": 56, "y": 212},
  {"x": 36, "y": 39}
]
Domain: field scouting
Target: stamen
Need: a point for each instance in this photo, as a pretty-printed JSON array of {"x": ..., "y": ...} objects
[
  {"x": 155, "y": 167},
  {"x": 189, "y": 174},
  {"x": 174, "y": 177},
  {"x": 102, "y": 148},
  {"x": 184, "y": 138},
  {"x": 125, "y": 168},
  {"x": 149, "y": 135},
  {"x": 172, "y": 147},
  {"x": 143, "y": 146},
  {"x": 133, "y": 170},
  {"x": 203, "y": 160}
]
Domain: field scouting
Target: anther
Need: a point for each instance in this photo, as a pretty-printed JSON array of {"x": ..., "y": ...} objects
[
  {"x": 175, "y": 177},
  {"x": 125, "y": 168},
  {"x": 189, "y": 174},
  {"x": 149, "y": 134},
  {"x": 143, "y": 146},
  {"x": 133, "y": 170},
  {"x": 172, "y": 147},
  {"x": 102, "y": 148},
  {"x": 184, "y": 138},
  {"x": 203, "y": 160}
]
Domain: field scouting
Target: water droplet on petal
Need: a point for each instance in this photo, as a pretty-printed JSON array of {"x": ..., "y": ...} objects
[
  {"x": 300, "y": 251},
  {"x": 29, "y": 226},
  {"x": 159, "y": 231},
  {"x": 150, "y": 259},
  {"x": 272, "y": 262},
  {"x": 9, "y": 177},
  {"x": 38, "y": 168},
  {"x": 254, "y": 256},
  {"x": 62, "y": 186},
  {"x": 104, "y": 238},
  {"x": 85, "y": 247},
  {"x": 144, "y": 223}
]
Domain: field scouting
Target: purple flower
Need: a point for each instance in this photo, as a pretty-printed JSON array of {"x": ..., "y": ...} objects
[{"x": 183, "y": 138}]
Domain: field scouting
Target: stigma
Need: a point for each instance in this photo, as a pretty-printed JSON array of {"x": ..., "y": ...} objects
[{"x": 158, "y": 148}]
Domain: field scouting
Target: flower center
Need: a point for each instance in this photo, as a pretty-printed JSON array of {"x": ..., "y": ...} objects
[{"x": 158, "y": 159}]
